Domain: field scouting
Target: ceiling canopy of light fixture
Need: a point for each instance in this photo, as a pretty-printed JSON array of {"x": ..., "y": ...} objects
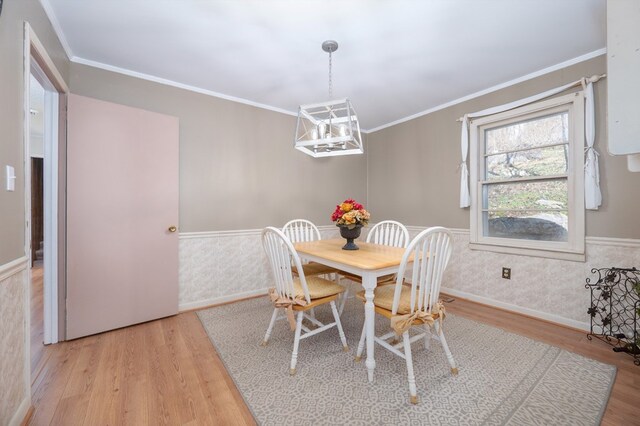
[{"x": 328, "y": 128}]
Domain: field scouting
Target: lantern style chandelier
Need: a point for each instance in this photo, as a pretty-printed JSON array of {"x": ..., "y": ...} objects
[{"x": 329, "y": 128}]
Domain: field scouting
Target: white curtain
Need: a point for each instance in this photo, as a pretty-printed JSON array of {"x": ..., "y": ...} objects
[
  {"x": 465, "y": 201},
  {"x": 592, "y": 194},
  {"x": 593, "y": 199}
]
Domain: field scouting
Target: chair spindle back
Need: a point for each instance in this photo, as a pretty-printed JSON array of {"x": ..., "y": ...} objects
[
  {"x": 301, "y": 230},
  {"x": 281, "y": 256},
  {"x": 389, "y": 233},
  {"x": 431, "y": 250}
]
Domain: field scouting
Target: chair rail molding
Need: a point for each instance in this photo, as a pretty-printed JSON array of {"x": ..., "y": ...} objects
[
  {"x": 236, "y": 232},
  {"x": 11, "y": 268}
]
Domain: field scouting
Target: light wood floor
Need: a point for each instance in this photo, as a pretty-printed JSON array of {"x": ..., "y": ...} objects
[
  {"x": 167, "y": 372},
  {"x": 38, "y": 350}
]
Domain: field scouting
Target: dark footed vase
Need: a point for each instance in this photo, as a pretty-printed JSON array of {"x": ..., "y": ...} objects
[{"x": 350, "y": 235}]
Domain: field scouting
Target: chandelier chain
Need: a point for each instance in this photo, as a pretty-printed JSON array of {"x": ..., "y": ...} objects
[{"x": 330, "y": 79}]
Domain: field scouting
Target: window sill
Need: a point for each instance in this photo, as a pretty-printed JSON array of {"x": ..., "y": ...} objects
[{"x": 533, "y": 252}]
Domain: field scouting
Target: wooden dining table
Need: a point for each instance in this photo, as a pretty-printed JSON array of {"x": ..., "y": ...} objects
[{"x": 369, "y": 263}]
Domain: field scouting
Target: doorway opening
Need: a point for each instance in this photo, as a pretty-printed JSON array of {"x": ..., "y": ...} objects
[
  {"x": 44, "y": 164},
  {"x": 37, "y": 115}
]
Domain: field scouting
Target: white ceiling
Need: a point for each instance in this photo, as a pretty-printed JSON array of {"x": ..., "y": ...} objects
[{"x": 396, "y": 58}]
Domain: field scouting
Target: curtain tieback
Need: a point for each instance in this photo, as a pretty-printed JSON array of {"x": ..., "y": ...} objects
[
  {"x": 595, "y": 153},
  {"x": 402, "y": 323},
  {"x": 287, "y": 304},
  {"x": 590, "y": 148}
]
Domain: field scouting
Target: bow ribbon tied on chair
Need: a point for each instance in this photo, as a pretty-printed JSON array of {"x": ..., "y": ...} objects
[
  {"x": 287, "y": 304},
  {"x": 402, "y": 323}
]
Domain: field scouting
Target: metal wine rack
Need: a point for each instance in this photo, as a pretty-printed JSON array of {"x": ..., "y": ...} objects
[{"x": 615, "y": 309}]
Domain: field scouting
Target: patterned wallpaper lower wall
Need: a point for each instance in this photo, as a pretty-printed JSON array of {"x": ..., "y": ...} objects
[
  {"x": 546, "y": 288},
  {"x": 12, "y": 341},
  {"x": 223, "y": 266},
  {"x": 216, "y": 267}
]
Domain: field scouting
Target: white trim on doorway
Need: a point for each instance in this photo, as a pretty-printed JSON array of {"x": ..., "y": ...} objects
[
  {"x": 50, "y": 216},
  {"x": 36, "y": 61}
]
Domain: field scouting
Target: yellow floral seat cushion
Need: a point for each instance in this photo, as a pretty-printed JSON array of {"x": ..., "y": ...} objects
[
  {"x": 385, "y": 279},
  {"x": 318, "y": 288},
  {"x": 383, "y": 298},
  {"x": 314, "y": 268}
]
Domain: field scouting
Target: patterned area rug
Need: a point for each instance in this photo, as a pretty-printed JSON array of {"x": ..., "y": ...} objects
[{"x": 504, "y": 379}]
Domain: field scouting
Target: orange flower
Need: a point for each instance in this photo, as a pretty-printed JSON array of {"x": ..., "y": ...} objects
[{"x": 346, "y": 207}]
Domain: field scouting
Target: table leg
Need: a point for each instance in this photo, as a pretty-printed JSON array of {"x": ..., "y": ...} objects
[{"x": 369, "y": 284}]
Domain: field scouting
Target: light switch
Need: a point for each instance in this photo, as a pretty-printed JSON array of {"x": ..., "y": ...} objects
[{"x": 11, "y": 178}]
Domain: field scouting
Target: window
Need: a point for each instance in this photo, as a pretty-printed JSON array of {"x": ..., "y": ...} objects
[{"x": 527, "y": 181}]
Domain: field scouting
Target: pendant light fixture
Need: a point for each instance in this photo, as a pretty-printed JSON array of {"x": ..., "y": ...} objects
[{"x": 328, "y": 128}]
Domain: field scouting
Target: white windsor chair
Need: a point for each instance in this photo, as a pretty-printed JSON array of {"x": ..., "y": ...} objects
[
  {"x": 297, "y": 294},
  {"x": 418, "y": 304},
  {"x": 388, "y": 233},
  {"x": 302, "y": 230}
]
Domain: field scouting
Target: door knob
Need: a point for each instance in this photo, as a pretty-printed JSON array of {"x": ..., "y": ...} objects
[{"x": 172, "y": 229}]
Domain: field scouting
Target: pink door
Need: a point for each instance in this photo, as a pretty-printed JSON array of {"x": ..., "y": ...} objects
[{"x": 122, "y": 202}]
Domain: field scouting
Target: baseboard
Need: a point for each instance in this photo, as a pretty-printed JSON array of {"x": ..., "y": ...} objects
[
  {"x": 10, "y": 269},
  {"x": 24, "y": 410},
  {"x": 556, "y": 319},
  {"x": 190, "y": 306},
  {"x": 27, "y": 417}
]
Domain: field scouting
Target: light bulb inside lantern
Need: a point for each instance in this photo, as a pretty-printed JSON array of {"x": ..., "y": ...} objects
[
  {"x": 342, "y": 130},
  {"x": 322, "y": 130},
  {"x": 314, "y": 134}
]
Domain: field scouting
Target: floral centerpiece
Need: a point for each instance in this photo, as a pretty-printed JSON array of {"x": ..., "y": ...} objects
[{"x": 350, "y": 216}]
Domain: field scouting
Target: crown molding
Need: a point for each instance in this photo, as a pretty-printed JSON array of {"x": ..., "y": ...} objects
[
  {"x": 48, "y": 10},
  {"x": 172, "y": 83},
  {"x": 497, "y": 87}
]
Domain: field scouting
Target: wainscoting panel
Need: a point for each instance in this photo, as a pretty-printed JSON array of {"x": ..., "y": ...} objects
[
  {"x": 545, "y": 288},
  {"x": 217, "y": 267},
  {"x": 14, "y": 395}
]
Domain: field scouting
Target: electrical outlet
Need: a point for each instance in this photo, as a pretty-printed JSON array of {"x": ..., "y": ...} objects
[{"x": 506, "y": 273}]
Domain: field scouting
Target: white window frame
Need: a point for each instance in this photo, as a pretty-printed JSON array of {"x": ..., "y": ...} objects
[{"x": 573, "y": 248}]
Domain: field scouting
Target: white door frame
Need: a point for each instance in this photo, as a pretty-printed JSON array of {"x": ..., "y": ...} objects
[
  {"x": 50, "y": 206},
  {"x": 38, "y": 62}
]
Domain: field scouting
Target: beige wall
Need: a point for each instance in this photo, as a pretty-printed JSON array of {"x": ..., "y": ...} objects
[
  {"x": 413, "y": 166},
  {"x": 13, "y": 354},
  {"x": 238, "y": 168},
  {"x": 14, "y": 13}
]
